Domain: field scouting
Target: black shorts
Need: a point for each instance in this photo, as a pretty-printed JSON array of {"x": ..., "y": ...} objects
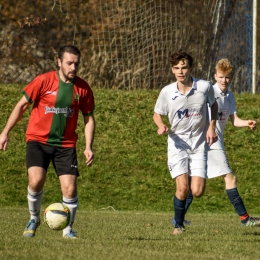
[{"x": 63, "y": 159}]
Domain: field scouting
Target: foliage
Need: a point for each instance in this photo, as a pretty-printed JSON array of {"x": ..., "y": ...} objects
[
  {"x": 125, "y": 198},
  {"x": 129, "y": 170},
  {"x": 124, "y": 44}
]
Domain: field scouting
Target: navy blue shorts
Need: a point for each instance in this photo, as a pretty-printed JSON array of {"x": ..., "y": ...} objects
[{"x": 63, "y": 159}]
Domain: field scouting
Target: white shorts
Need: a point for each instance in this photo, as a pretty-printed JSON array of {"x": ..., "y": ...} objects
[
  {"x": 218, "y": 164},
  {"x": 182, "y": 161}
]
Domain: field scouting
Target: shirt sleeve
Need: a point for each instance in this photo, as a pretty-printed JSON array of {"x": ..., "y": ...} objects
[
  {"x": 233, "y": 109},
  {"x": 211, "y": 95},
  {"x": 33, "y": 89},
  {"x": 87, "y": 104},
  {"x": 161, "y": 106}
]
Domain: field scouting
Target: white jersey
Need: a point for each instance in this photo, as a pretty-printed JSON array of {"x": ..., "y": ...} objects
[
  {"x": 187, "y": 113},
  {"x": 226, "y": 107}
]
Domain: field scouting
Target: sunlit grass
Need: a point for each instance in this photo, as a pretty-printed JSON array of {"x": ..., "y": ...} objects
[
  {"x": 130, "y": 174},
  {"x": 129, "y": 170},
  {"x": 109, "y": 234}
]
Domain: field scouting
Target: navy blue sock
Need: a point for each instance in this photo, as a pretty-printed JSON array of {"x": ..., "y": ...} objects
[
  {"x": 179, "y": 209},
  {"x": 238, "y": 204},
  {"x": 189, "y": 200}
]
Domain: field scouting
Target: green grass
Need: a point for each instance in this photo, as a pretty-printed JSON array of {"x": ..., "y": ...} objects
[
  {"x": 108, "y": 234},
  {"x": 129, "y": 171},
  {"x": 130, "y": 174}
]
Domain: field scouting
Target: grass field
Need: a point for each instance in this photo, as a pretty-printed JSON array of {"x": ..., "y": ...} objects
[
  {"x": 106, "y": 234},
  {"x": 130, "y": 174}
]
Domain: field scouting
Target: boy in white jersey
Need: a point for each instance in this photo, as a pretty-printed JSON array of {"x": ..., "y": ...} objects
[
  {"x": 185, "y": 102},
  {"x": 218, "y": 164}
]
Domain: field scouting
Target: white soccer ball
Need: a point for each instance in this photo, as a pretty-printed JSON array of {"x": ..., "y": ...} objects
[{"x": 57, "y": 216}]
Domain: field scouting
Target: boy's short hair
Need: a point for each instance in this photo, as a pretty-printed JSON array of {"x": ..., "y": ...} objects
[
  {"x": 176, "y": 57},
  {"x": 224, "y": 66}
]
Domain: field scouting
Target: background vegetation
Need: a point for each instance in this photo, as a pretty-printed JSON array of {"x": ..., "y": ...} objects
[
  {"x": 125, "y": 44},
  {"x": 129, "y": 170},
  {"x": 125, "y": 198}
]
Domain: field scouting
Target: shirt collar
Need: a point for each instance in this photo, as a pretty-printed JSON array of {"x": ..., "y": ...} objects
[
  {"x": 194, "y": 85},
  {"x": 220, "y": 91}
]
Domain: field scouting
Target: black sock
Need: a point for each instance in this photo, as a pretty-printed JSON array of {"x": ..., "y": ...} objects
[
  {"x": 189, "y": 200},
  {"x": 179, "y": 209},
  {"x": 238, "y": 204}
]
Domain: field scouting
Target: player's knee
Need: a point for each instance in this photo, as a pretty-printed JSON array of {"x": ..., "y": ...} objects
[
  {"x": 182, "y": 192},
  {"x": 36, "y": 185},
  {"x": 198, "y": 192},
  {"x": 69, "y": 191}
]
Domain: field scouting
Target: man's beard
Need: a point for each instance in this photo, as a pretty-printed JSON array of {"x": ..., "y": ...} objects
[{"x": 70, "y": 76}]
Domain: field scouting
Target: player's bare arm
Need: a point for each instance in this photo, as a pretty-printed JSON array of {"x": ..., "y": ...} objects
[
  {"x": 162, "y": 128},
  {"x": 238, "y": 122},
  {"x": 89, "y": 136},
  {"x": 13, "y": 119},
  {"x": 211, "y": 136}
]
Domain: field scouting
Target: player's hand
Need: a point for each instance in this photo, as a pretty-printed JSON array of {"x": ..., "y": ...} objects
[
  {"x": 3, "y": 142},
  {"x": 252, "y": 124},
  {"x": 162, "y": 129},
  {"x": 211, "y": 137},
  {"x": 89, "y": 157}
]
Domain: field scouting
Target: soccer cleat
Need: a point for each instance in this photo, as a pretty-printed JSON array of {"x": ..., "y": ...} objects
[
  {"x": 178, "y": 230},
  {"x": 185, "y": 222},
  {"x": 31, "y": 228},
  {"x": 252, "y": 222},
  {"x": 70, "y": 235}
]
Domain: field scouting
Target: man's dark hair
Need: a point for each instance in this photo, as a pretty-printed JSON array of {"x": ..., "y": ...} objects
[
  {"x": 70, "y": 49},
  {"x": 176, "y": 57}
]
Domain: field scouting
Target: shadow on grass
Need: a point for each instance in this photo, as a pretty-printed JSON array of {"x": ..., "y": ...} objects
[{"x": 252, "y": 233}]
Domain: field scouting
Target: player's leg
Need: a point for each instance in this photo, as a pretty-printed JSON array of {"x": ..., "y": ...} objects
[
  {"x": 37, "y": 177},
  {"x": 189, "y": 198},
  {"x": 218, "y": 165},
  {"x": 196, "y": 182},
  {"x": 37, "y": 161},
  {"x": 65, "y": 164},
  {"x": 197, "y": 186},
  {"x": 70, "y": 199},
  {"x": 237, "y": 202},
  {"x": 178, "y": 164},
  {"x": 182, "y": 189},
  {"x": 188, "y": 201},
  {"x": 198, "y": 163}
]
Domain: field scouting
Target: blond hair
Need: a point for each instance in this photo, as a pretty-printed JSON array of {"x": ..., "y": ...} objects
[{"x": 224, "y": 66}]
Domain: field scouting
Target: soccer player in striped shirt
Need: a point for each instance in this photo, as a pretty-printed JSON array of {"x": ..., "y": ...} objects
[{"x": 57, "y": 98}]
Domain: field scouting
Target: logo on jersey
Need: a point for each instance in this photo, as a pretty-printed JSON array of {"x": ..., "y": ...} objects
[
  {"x": 174, "y": 97},
  {"x": 68, "y": 112},
  {"x": 77, "y": 97},
  {"x": 54, "y": 93},
  {"x": 192, "y": 112},
  {"x": 222, "y": 115}
]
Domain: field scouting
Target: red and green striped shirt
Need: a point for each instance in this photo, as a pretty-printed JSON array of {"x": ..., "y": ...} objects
[{"x": 54, "y": 115}]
